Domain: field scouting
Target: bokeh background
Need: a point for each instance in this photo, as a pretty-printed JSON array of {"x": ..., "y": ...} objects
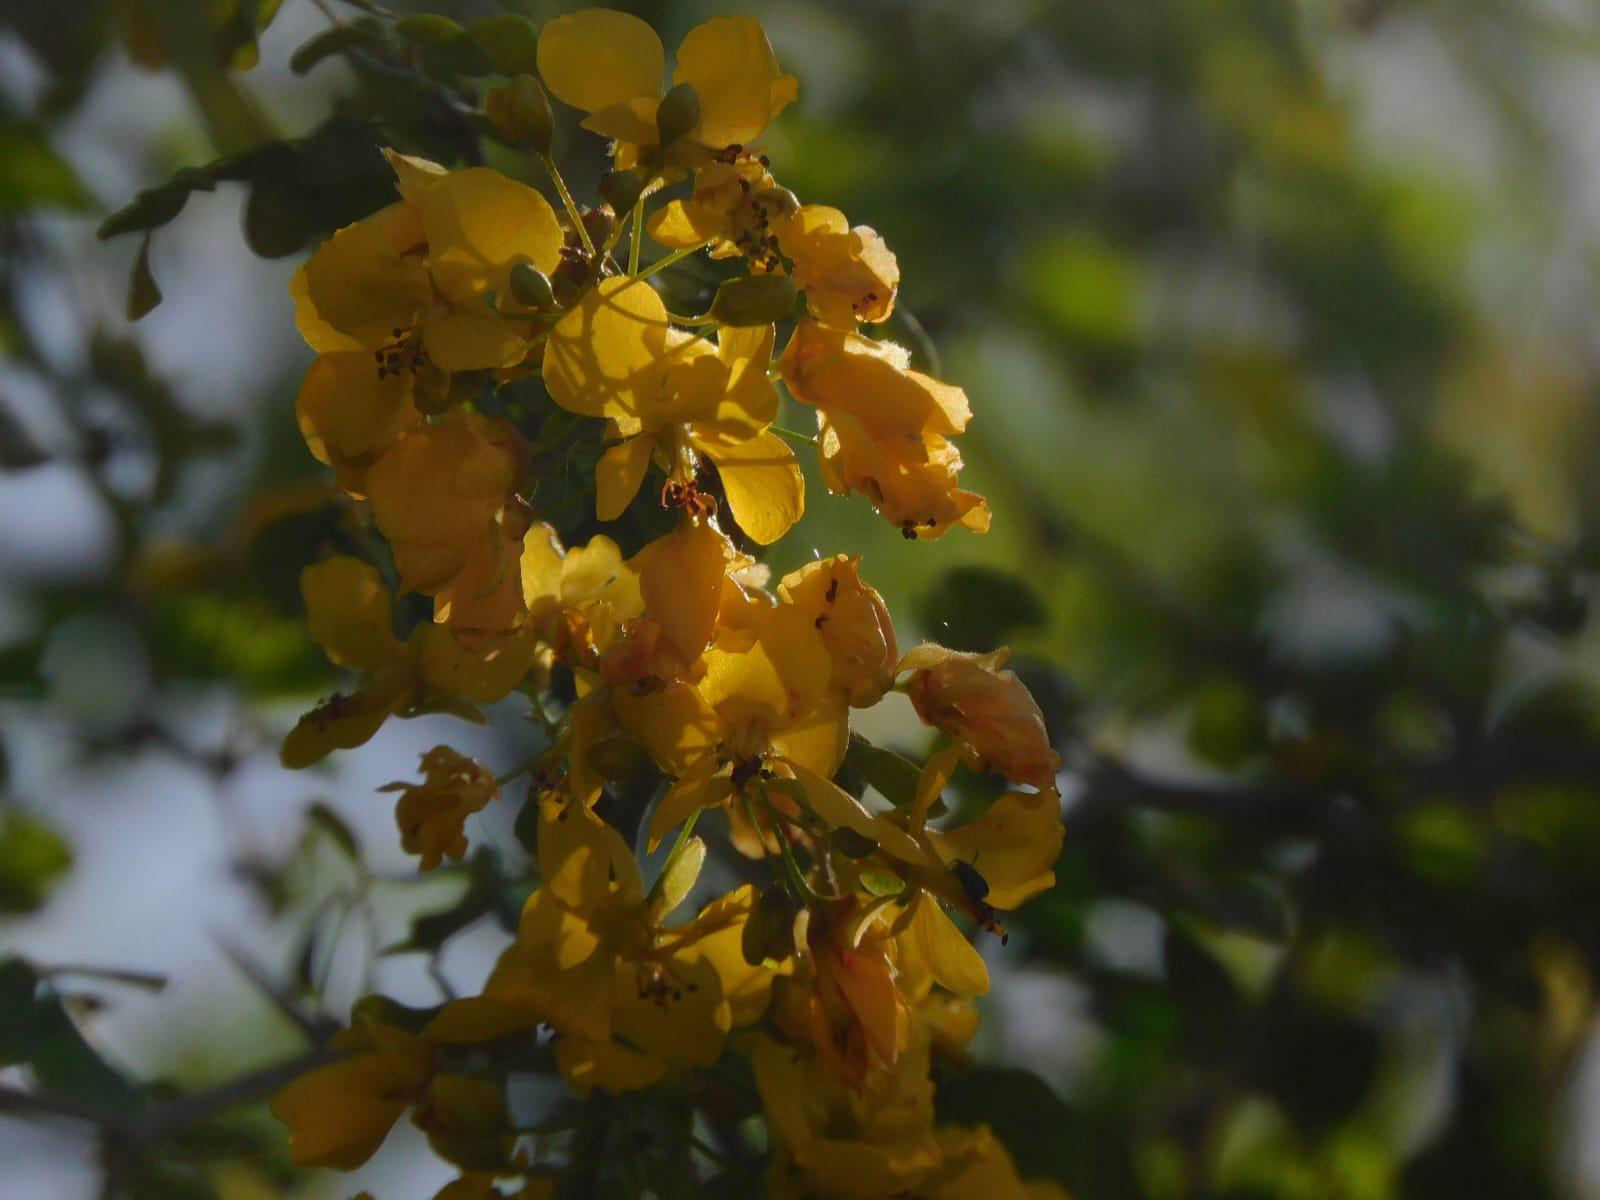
[{"x": 1279, "y": 324}]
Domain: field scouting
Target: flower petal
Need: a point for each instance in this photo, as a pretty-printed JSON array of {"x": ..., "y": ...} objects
[
  {"x": 597, "y": 57},
  {"x": 604, "y": 358},
  {"x": 619, "y": 473},
  {"x": 731, "y": 65},
  {"x": 762, "y": 479}
]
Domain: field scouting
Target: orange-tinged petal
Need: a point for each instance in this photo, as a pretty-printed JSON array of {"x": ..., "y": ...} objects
[
  {"x": 763, "y": 483},
  {"x": 597, "y": 57},
  {"x": 338, "y": 1115},
  {"x": 619, "y": 473},
  {"x": 680, "y": 576},
  {"x": 735, "y": 74},
  {"x": 605, "y": 358},
  {"x": 818, "y": 738},
  {"x": 319, "y": 335}
]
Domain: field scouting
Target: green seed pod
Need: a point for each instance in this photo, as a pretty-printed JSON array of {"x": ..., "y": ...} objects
[
  {"x": 531, "y": 286},
  {"x": 621, "y": 190},
  {"x": 521, "y": 112},
  {"x": 769, "y": 930},
  {"x": 678, "y": 113},
  {"x": 754, "y": 300}
]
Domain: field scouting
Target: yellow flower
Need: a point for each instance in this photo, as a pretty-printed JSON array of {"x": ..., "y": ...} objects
[
  {"x": 884, "y": 428},
  {"x": 736, "y": 206},
  {"x": 432, "y": 814},
  {"x": 349, "y": 613},
  {"x": 349, "y": 416},
  {"x": 853, "y": 621},
  {"x": 630, "y": 996},
  {"x": 859, "y": 1017},
  {"x": 768, "y": 722},
  {"x": 848, "y": 275},
  {"x": 338, "y": 1115},
  {"x": 442, "y": 495},
  {"x": 831, "y": 1139},
  {"x": 415, "y": 283},
  {"x": 610, "y": 65},
  {"x": 673, "y": 396},
  {"x": 984, "y": 708}
]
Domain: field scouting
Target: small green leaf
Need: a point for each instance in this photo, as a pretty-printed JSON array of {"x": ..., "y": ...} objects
[
  {"x": 510, "y": 40},
  {"x": 320, "y": 816},
  {"x": 33, "y": 175},
  {"x": 894, "y": 777},
  {"x": 33, "y": 856},
  {"x": 679, "y": 875},
  {"x": 143, "y": 294}
]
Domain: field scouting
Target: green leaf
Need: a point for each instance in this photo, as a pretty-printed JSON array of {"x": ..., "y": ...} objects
[
  {"x": 36, "y": 1029},
  {"x": 337, "y": 40},
  {"x": 510, "y": 40},
  {"x": 679, "y": 875},
  {"x": 143, "y": 294},
  {"x": 331, "y": 823},
  {"x": 33, "y": 175},
  {"x": 978, "y": 608},
  {"x": 1036, "y": 1125},
  {"x": 33, "y": 856},
  {"x": 892, "y": 775}
]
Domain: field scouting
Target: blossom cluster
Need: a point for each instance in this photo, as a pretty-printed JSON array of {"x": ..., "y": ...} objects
[{"x": 840, "y": 973}]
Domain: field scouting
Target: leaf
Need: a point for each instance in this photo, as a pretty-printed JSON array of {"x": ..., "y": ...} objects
[
  {"x": 1036, "y": 1125},
  {"x": 510, "y": 40},
  {"x": 33, "y": 856},
  {"x": 979, "y": 608},
  {"x": 331, "y": 823},
  {"x": 892, "y": 775},
  {"x": 36, "y": 1029},
  {"x": 143, "y": 294},
  {"x": 679, "y": 875},
  {"x": 33, "y": 175},
  {"x": 337, "y": 40},
  {"x": 17, "y": 448}
]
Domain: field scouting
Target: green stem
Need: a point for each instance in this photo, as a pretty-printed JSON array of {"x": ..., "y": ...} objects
[
  {"x": 666, "y": 260},
  {"x": 795, "y": 435},
  {"x": 571, "y": 205},
  {"x": 637, "y": 239}
]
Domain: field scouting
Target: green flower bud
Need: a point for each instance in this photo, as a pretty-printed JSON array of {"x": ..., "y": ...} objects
[
  {"x": 521, "y": 113},
  {"x": 754, "y": 300},
  {"x": 678, "y": 114},
  {"x": 531, "y": 286}
]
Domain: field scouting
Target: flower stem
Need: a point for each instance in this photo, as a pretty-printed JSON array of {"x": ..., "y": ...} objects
[
  {"x": 572, "y": 207},
  {"x": 795, "y": 435},
  {"x": 667, "y": 260},
  {"x": 637, "y": 239}
]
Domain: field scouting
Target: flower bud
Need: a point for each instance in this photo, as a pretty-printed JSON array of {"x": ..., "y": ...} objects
[
  {"x": 531, "y": 286},
  {"x": 754, "y": 300},
  {"x": 520, "y": 112},
  {"x": 428, "y": 29},
  {"x": 678, "y": 113}
]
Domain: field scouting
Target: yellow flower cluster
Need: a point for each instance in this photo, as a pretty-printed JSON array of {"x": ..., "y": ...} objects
[{"x": 838, "y": 972}]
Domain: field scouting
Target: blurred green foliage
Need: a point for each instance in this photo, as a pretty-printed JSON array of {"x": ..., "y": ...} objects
[{"x": 1293, "y": 467}]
